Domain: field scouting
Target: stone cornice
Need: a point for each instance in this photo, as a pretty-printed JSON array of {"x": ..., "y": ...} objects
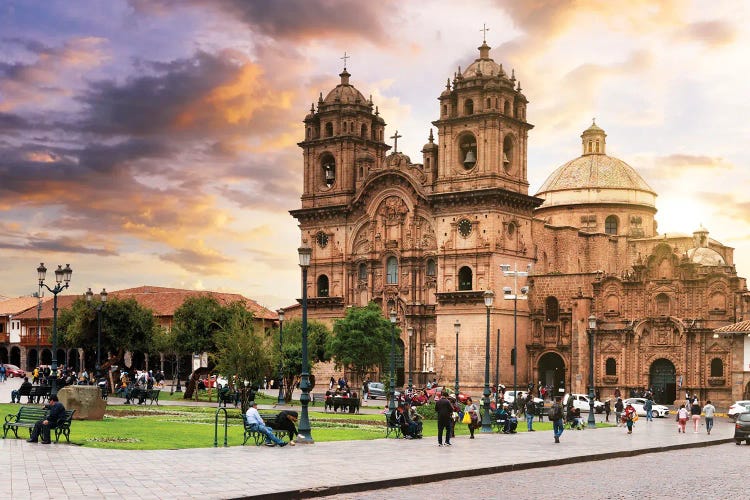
[
  {"x": 462, "y": 297},
  {"x": 319, "y": 213},
  {"x": 323, "y": 302},
  {"x": 490, "y": 197}
]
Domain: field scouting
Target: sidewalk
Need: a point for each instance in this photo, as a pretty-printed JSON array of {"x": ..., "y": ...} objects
[{"x": 64, "y": 471}]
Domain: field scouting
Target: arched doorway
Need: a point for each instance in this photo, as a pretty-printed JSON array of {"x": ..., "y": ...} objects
[
  {"x": 663, "y": 380},
  {"x": 62, "y": 358},
  {"x": 46, "y": 357},
  {"x": 4, "y": 355},
  {"x": 552, "y": 372},
  {"x": 32, "y": 360},
  {"x": 74, "y": 361},
  {"x": 15, "y": 356}
]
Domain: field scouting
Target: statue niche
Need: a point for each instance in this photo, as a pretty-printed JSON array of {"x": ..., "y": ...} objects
[{"x": 392, "y": 213}]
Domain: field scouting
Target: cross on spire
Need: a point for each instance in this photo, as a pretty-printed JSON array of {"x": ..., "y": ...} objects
[
  {"x": 345, "y": 58},
  {"x": 395, "y": 138},
  {"x": 484, "y": 31}
]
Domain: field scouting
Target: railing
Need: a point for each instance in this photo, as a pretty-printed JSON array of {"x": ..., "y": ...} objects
[{"x": 216, "y": 427}]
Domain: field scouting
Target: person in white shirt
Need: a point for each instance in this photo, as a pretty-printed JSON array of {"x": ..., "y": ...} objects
[
  {"x": 256, "y": 423},
  {"x": 709, "y": 411}
]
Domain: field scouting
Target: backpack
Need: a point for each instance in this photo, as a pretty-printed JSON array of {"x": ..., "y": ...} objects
[{"x": 555, "y": 412}]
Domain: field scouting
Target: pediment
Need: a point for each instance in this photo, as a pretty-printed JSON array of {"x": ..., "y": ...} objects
[
  {"x": 717, "y": 348},
  {"x": 611, "y": 347}
]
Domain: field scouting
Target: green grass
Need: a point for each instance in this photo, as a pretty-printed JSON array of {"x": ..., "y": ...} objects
[{"x": 177, "y": 427}]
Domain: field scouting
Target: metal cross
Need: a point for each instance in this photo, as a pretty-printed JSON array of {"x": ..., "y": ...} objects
[
  {"x": 395, "y": 141},
  {"x": 484, "y": 29},
  {"x": 345, "y": 58}
]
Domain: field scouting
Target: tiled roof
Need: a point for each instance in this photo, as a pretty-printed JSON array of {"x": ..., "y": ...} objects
[
  {"x": 18, "y": 305},
  {"x": 63, "y": 302},
  {"x": 741, "y": 327},
  {"x": 595, "y": 171}
]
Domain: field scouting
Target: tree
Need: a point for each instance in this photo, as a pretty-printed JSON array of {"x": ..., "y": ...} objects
[
  {"x": 196, "y": 321},
  {"x": 318, "y": 335},
  {"x": 361, "y": 340}
]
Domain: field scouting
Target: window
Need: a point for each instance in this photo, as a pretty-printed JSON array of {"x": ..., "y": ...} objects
[
  {"x": 506, "y": 108},
  {"x": 551, "y": 308},
  {"x": 428, "y": 358},
  {"x": 467, "y": 151},
  {"x": 611, "y": 367},
  {"x": 445, "y": 109},
  {"x": 717, "y": 367},
  {"x": 322, "y": 285},
  {"x": 513, "y": 356},
  {"x": 464, "y": 278},
  {"x": 363, "y": 132},
  {"x": 431, "y": 268},
  {"x": 508, "y": 153},
  {"x": 489, "y": 103},
  {"x": 610, "y": 225},
  {"x": 362, "y": 273},
  {"x": 328, "y": 164},
  {"x": 468, "y": 107},
  {"x": 391, "y": 271},
  {"x": 662, "y": 305},
  {"x": 329, "y": 129}
]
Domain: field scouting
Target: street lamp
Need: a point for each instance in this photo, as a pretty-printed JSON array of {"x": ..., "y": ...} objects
[
  {"x": 38, "y": 295},
  {"x": 457, "y": 328},
  {"x": 61, "y": 275},
  {"x": 305, "y": 434},
  {"x": 98, "y": 308},
  {"x": 512, "y": 294},
  {"x": 392, "y": 385},
  {"x": 489, "y": 297},
  {"x": 410, "y": 330},
  {"x": 281, "y": 399},
  {"x": 592, "y": 395}
]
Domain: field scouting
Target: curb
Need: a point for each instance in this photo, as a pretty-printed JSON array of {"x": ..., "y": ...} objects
[{"x": 431, "y": 478}]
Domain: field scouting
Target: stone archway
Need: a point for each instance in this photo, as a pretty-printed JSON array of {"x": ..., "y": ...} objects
[
  {"x": 32, "y": 359},
  {"x": 663, "y": 379},
  {"x": 4, "y": 355},
  {"x": 15, "y": 356},
  {"x": 551, "y": 371}
]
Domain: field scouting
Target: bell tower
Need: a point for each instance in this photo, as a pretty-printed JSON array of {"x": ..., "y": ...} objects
[
  {"x": 482, "y": 129},
  {"x": 343, "y": 141}
]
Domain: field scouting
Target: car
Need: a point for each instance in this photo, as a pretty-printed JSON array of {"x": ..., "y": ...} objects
[
  {"x": 509, "y": 397},
  {"x": 581, "y": 401},
  {"x": 13, "y": 371},
  {"x": 213, "y": 380},
  {"x": 742, "y": 428},
  {"x": 738, "y": 407},
  {"x": 377, "y": 390},
  {"x": 656, "y": 409}
]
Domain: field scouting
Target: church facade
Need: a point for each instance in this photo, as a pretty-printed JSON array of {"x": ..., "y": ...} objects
[{"x": 429, "y": 239}]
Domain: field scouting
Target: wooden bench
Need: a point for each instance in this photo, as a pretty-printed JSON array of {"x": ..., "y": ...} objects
[
  {"x": 258, "y": 437},
  {"x": 391, "y": 427},
  {"x": 28, "y": 416},
  {"x": 39, "y": 394}
]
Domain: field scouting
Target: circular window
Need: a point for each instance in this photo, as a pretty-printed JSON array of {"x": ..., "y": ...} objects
[
  {"x": 322, "y": 239},
  {"x": 464, "y": 227}
]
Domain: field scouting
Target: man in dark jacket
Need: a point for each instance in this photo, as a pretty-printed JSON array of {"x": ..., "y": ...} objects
[
  {"x": 24, "y": 390},
  {"x": 55, "y": 417},
  {"x": 444, "y": 411},
  {"x": 285, "y": 421}
]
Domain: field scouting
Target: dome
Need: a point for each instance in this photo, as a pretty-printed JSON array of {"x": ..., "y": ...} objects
[
  {"x": 484, "y": 66},
  {"x": 595, "y": 177},
  {"x": 345, "y": 93},
  {"x": 705, "y": 257}
]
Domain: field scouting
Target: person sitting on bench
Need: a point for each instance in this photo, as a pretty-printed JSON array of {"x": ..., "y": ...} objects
[
  {"x": 256, "y": 423},
  {"x": 285, "y": 421},
  {"x": 25, "y": 389},
  {"x": 55, "y": 417}
]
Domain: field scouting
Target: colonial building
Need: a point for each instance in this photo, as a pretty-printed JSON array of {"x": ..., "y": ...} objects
[{"x": 428, "y": 239}]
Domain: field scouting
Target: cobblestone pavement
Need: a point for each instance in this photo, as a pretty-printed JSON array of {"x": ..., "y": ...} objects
[
  {"x": 67, "y": 471},
  {"x": 715, "y": 472}
]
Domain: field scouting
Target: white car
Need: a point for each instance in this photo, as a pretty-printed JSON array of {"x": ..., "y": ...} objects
[
  {"x": 656, "y": 410},
  {"x": 510, "y": 396},
  {"x": 581, "y": 401},
  {"x": 738, "y": 407}
]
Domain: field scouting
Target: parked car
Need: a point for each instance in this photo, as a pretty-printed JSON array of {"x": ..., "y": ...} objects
[
  {"x": 377, "y": 390},
  {"x": 742, "y": 428},
  {"x": 581, "y": 401},
  {"x": 212, "y": 381},
  {"x": 13, "y": 371},
  {"x": 510, "y": 396},
  {"x": 737, "y": 408},
  {"x": 656, "y": 409}
]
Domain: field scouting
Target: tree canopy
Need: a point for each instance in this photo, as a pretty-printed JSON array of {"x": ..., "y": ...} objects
[
  {"x": 197, "y": 321},
  {"x": 318, "y": 335}
]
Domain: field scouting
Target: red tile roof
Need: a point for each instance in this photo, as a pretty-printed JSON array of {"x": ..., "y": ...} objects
[
  {"x": 741, "y": 327},
  {"x": 18, "y": 305}
]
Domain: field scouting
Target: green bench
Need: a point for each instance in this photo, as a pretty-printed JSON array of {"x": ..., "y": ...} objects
[
  {"x": 391, "y": 427},
  {"x": 39, "y": 393},
  {"x": 28, "y": 416},
  {"x": 258, "y": 437}
]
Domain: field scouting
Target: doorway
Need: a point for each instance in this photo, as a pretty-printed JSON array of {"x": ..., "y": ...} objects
[
  {"x": 552, "y": 372},
  {"x": 664, "y": 381}
]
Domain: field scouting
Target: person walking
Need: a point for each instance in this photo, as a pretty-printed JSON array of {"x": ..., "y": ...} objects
[
  {"x": 682, "y": 418},
  {"x": 709, "y": 411},
  {"x": 619, "y": 407},
  {"x": 630, "y": 417},
  {"x": 647, "y": 406},
  {"x": 607, "y": 410},
  {"x": 444, "y": 411},
  {"x": 556, "y": 415},
  {"x": 695, "y": 414},
  {"x": 473, "y": 411},
  {"x": 529, "y": 409}
]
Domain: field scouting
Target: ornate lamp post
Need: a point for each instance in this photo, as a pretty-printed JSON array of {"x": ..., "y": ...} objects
[
  {"x": 489, "y": 297},
  {"x": 61, "y": 275},
  {"x": 98, "y": 308},
  {"x": 497, "y": 367},
  {"x": 592, "y": 395},
  {"x": 411, "y": 357},
  {"x": 392, "y": 385},
  {"x": 457, "y": 328},
  {"x": 305, "y": 435},
  {"x": 38, "y": 295},
  {"x": 512, "y": 294},
  {"x": 281, "y": 400}
]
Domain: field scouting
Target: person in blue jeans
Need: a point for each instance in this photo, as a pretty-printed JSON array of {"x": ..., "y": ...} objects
[
  {"x": 557, "y": 418},
  {"x": 256, "y": 423},
  {"x": 530, "y": 407},
  {"x": 647, "y": 407}
]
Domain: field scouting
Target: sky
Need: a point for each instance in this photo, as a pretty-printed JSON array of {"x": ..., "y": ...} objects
[{"x": 154, "y": 142}]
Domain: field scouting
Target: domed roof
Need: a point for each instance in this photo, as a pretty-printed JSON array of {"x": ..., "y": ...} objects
[
  {"x": 595, "y": 177},
  {"x": 705, "y": 257},
  {"x": 484, "y": 66},
  {"x": 344, "y": 92}
]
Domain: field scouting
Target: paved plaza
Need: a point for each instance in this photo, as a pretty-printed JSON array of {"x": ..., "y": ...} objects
[{"x": 346, "y": 467}]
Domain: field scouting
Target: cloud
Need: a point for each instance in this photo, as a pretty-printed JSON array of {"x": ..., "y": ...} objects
[
  {"x": 198, "y": 259},
  {"x": 711, "y": 33}
]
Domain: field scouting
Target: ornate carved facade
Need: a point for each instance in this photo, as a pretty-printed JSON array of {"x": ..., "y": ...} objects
[{"x": 426, "y": 239}]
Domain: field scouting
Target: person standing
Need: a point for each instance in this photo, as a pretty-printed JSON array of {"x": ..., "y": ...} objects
[
  {"x": 529, "y": 409},
  {"x": 630, "y": 417},
  {"x": 695, "y": 415},
  {"x": 444, "y": 411},
  {"x": 619, "y": 407},
  {"x": 709, "y": 411},
  {"x": 607, "y": 410},
  {"x": 682, "y": 418},
  {"x": 647, "y": 406},
  {"x": 472, "y": 410},
  {"x": 556, "y": 415},
  {"x": 366, "y": 389}
]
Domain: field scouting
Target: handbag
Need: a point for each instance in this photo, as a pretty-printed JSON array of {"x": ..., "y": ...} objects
[
  {"x": 466, "y": 419},
  {"x": 635, "y": 417}
]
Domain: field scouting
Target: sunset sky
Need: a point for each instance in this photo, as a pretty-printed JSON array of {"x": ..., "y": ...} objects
[{"x": 153, "y": 142}]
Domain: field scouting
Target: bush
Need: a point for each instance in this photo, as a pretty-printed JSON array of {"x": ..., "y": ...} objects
[{"x": 427, "y": 411}]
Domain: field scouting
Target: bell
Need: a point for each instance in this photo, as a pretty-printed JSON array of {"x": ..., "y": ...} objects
[
  {"x": 470, "y": 159},
  {"x": 330, "y": 174},
  {"x": 505, "y": 158}
]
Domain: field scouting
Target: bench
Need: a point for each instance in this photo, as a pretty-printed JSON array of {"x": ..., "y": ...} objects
[
  {"x": 318, "y": 397},
  {"x": 143, "y": 394},
  {"x": 391, "y": 427},
  {"x": 39, "y": 394},
  {"x": 258, "y": 437},
  {"x": 28, "y": 416},
  {"x": 225, "y": 395},
  {"x": 23, "y": 391},
  {"x": 347, "y": 404}
]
